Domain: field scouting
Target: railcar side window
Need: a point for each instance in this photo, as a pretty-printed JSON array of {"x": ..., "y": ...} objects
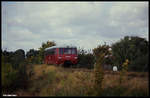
[
  {"x": 50, "y": 51},
  {"x": 53, "y": 51}
]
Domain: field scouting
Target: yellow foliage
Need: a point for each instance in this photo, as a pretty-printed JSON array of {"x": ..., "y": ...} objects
[
  {"x": 50, "y": 68},
  {"x": 39, "y": 70},
  {"x": 123, "y": 70}
]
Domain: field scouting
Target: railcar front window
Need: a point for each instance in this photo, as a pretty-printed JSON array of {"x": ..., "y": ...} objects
[
  {"x": 67, "y": 51},
  {"x": 74, "y": 51}
]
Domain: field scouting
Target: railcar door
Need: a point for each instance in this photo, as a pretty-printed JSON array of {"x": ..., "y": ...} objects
[{"x": 67, "y": 54}]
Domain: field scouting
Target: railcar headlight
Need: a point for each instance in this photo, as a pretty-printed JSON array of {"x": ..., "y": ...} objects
[
  {"x": 75, "y": 57},
  {"x": 59, "y": 57}
]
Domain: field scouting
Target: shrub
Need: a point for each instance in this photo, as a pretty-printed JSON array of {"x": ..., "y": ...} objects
[
  {"x": 13, "y": 77},
  {"x": 99, "y": 74},
  {"x": 9, "y": 77},
  {"x": 85, "y": 60}
]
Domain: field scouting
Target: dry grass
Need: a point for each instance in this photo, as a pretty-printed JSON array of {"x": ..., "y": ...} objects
[
  {"x": 39, "y": 70},
  {"x": 59, "y": 81},
  {"x": 139, "y": 82}
]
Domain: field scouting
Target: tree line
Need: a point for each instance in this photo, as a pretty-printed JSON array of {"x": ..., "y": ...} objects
[{"x": 133, "y": 48}]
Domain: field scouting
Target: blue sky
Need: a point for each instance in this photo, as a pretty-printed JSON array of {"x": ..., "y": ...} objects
[{"x": 27, "y": 25}]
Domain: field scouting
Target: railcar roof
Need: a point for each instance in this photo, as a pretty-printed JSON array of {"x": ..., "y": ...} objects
[{"x": 60, "y": 47}]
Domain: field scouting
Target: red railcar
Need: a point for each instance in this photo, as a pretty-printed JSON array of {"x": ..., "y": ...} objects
[{"x": 60, "y": 55}]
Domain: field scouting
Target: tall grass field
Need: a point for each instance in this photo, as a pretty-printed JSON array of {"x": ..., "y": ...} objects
[{"x": 50, "y": 80}]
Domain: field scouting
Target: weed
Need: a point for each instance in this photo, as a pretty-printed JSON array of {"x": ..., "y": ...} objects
[
  {"x": 57, "y": 81},
  {"x": 99, "y": 74}
]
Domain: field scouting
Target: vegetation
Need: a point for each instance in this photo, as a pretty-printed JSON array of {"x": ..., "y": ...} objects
[
  {"x": 123, "y": 70},
  {"x": 26, "y": 75},
  {"x": 37, "y": 56},
  {"x": 85, "y": 59},
  {"x": 100, "y": 52},
  {"x": 14, "y": 74},
  {"x": 135, "y": 49},
  {"x": 99, "y": 75},
  {"x": 32, "y": 57},
  {"x": 50, "y": 80},
  {"x": 43, "y": 47}
]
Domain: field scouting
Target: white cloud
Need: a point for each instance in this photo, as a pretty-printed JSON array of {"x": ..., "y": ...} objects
[
  {"x": 130, "y": 17},
  {"x": 129, "y": 14},
  {"x": 86, "y": 24}
]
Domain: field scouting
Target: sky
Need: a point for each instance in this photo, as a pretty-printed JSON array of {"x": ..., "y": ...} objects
[{"x": 26, "y": 25}]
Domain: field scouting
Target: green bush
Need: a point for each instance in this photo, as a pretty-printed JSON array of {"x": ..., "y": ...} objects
[
  {"x": 133, "y": 48},
  {"x": 140, "y": 64},
  {"x": 85, "y": 60},
  {"x": 22, "y": 79},
  {"x": 9, "y": 77},
  {"x": 13, "y": 76},
  {"x": 99, "y": 74}
]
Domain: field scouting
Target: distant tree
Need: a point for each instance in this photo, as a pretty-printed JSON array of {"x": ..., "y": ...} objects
[
  {"x": 14, "y": 74},
  {"x": 8, "y": 56},
  {"x": 32, "y": 56},
  {"x": 101, "y": 49},
  {"x": 30, "y": 53},
  {"x": 48, "y": 44},
  {"x": 107, "y": 53},
  {"x": 85, "y": 59},
  {"x": 17, "y": 58},
  {"x": 44, "y": 46},
  {"x": 133, "y": 48}
]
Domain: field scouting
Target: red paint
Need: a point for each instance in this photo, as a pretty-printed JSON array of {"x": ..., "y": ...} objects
[{"x": 58, "y": 55}]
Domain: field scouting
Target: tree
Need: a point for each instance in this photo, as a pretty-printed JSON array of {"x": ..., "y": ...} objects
[
  {"x": 9, "y": 75},
  {"x": 44, "y": 46},
  {"x": 32, "y": 56},
  {"x": 107, "y": 54},
  {"x": 101, "y": 54},
  {"x": 133, "y": 48},
  {"x": 8, "y": 56},
  {"x": 85, "y": 59},
  {"x": 13, "y": 70},
  {"x": 99, "y": 73},
  {"x": 47, "y": 44},
  {"x": 17, "y": 58}
]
